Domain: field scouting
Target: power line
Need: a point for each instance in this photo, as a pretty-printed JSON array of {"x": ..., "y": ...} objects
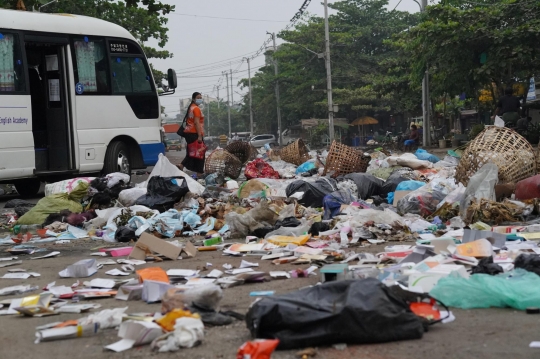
[
  {"x": 217, "y": 62},
  {"x": 227, "y": 18}
]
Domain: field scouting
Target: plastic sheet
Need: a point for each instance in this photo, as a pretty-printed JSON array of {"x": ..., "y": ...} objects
[
  {"x": 423, "y": 201},
  {"x": 305, "y": 167},
  {"x": 129, "y": 196},
  {"x": 164, "y": 192},
  {"x": 314, "y": 192},
  {"x": 347, "y": 311},
  {"x": 481, "y": 185},
  {"x": 368, "y": 185},
  {"x": 424, "y": 155},
  {"x": 333, "y": 201},
  {"x": 517, "y": 289},
  {"x": 258, "y": 168},
  {"x": 408, "y": 160}
]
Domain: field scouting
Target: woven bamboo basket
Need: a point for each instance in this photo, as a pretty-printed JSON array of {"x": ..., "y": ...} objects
[
  {"x": 240, "y": 149},
  {"x": 513, "y": 155},
  {"x": 343, "y": 159},
  {"x": 223, "y": 162},
  {"x": 538, "y": 159},
  {"x": 253, "y": 153},
  {"x": 295, "y": 153}
]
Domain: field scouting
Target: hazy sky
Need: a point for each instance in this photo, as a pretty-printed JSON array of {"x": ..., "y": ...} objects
[{"x": 202, "y": 46}]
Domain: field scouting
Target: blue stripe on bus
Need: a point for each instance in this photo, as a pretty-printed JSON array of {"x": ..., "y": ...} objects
[{"x": 151, "y": 151}]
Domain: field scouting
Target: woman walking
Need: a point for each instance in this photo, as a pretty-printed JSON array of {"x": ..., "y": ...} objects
[{"x": 194, "y": 131}]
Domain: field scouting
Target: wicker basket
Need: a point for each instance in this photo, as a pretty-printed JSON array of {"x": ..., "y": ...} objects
[
  {"x": 513, "y": 155},
  {"x": 295, "y": 153},
  {"x": 343, "y": 159},
  {"x": 538, "y": 159},
  {"x": 240, "y": 149},
  {"x": 253, "y": 153},
  {"x": 223, "y": 162}
]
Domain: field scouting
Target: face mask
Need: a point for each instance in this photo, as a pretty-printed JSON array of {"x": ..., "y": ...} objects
[{"x": 198, "y": 101}]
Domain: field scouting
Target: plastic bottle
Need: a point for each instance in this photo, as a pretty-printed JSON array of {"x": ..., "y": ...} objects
[{"x": 26, "y": 228}]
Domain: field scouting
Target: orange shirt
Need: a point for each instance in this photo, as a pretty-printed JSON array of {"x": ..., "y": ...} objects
[{"x": 194, "y": 111}]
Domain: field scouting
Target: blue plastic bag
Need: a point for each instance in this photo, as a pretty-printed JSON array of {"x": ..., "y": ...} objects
[
  {"x": 305, "y": 167},
  {"x": 410, "y": 185},
  {"x": 390, "y": 197},
  {"x": 426, "y": 156}
]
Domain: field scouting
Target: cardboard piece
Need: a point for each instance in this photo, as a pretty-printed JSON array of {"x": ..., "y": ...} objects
[
  {"x": 399, "y": 195},
  {"x": 470, "y": 235},
  {"x": 189, "y": 249},
  {"x": 130, "y": 292},
  {"x": 80, "y": 269},
  {"x": 156, "y": 245}
]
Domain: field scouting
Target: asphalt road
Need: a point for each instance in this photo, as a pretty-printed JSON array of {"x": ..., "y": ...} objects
[{"x": 479, "y": 334}]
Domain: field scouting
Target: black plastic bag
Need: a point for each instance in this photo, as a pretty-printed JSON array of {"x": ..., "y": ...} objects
[
  {"x": 21, "y": 206},
  {"x": 124, "y": 234},
  {"x": 529, "y": 262},
  {"x": 392, "y": 182},
  {"x": 287, "y": 222},
  {"x": 347, "y": 311},
  {"x": 368, "y": 185},
  {"x": 486, "y": 266},
  {"x": 314, "y": 192},
  {"x": 318, "y": 227},
  {"x": 163, "y": 192}
]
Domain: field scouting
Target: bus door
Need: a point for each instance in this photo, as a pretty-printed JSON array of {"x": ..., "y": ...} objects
[{"x": 46, "y": 57}]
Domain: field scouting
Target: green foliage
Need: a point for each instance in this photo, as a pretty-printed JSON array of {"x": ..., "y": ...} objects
[{"x": 475, "y": 131}]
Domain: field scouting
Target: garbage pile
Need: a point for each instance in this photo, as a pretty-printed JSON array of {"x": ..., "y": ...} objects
[{"x": 403, "y": 237}]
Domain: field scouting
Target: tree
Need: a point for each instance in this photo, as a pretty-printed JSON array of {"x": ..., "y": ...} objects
[{"x": 468, "y": 46}]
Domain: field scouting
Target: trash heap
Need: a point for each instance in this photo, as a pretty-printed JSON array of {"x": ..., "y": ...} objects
[{"x": 406, "y": 234}]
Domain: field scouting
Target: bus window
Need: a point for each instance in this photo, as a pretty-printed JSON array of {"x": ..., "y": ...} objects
[
  {"x": 129, "y": 75},
  {"x": 11, "y": 64},
  {"x": 92, "y": 68}
]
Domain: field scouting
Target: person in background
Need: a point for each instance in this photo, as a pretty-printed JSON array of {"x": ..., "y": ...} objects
[
  {"x": 522, "y": 124},
  {"x": 194, "y": 131},
  {"x": 508, "y": 106},
  {"x": 236, "y": 137},
  {"x": 413, "y": 137}
]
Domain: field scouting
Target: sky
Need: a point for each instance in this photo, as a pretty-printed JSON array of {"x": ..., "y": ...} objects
[{"x": 205, "y": 43}]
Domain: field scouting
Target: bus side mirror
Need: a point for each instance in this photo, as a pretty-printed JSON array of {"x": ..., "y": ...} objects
[{"x": 171, "y": 79}]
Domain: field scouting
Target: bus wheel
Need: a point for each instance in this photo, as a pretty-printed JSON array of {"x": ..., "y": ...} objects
[
  {"x": 28, "y": 187},
  {"x": 117, "y": 158}
]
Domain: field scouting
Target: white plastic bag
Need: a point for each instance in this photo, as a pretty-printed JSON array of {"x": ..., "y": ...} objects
[
  {"x": 481, "y": 185},
  {"x": 164, "y": 168},
  {"x": 187, "y": 333},
  {"x": 128, "y": 197},
  {"x": 408, "y": 160},
  {"x": 115, "y": 178},
  {"x": 65, "y": 186}
]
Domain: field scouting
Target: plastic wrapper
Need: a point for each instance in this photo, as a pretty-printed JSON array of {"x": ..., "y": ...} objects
[
  {"x": 314, "y": 192},
  {"x": 54, "y": 204},
  {"x": 164, "y": 192},
  {"x": 456, "y": 196},
  {"x": 368, "y": 185},
  {"x": 517, "y": 289},
  {"x": 346, "y": 311},
  {"x": 529, "y": 262},
  {"x": 332, "y": 202},
  {"x": 187, "y": 333},
  {"x": 241, "y": 225},
  {"x": 257, "y": 349},
  {"x": 423, "y": 201},
  {"x": 298, "y": 231},
  {"x": 424, "y": 155},
  {"x": 481, "y": 185}
]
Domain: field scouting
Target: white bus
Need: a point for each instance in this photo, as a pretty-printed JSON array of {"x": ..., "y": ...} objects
[{"x": 76, "y": 97}]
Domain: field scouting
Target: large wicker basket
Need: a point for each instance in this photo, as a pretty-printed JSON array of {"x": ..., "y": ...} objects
[
  {"x": 295, "y": 153},
  {"x": 513, "y": 155},
  {"x": 343, "y": 159},
  {"x": 223, "y": 162},
  {"x": 240, "y": 149}
]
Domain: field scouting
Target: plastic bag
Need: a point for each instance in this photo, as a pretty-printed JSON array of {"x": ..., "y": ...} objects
[
  {"x": 529, "y": 262},
  {"x": 298, "y": 231},
  {"x": 114, "y": 178},
  {"x": 164, "y": 168},
  {"x": 314, "y": 192},
  {"x": 332, "y": 202},
  {"x": 258, "y": 168},
  {"x": 408, "y": 160},
  {"x": 56, "y": 203},
  {"x": 206, "y": 296},
  {"x": 125, "y": 234},
  {"x": 486, "y": 266},
  {"x": 305, "y": 167},
  {"x": 426, "y": 156},
  {"x": 368, "y": 185},
  {"x": 392, "y": 183},
  {"x": 455, "y": 196},
  {"x": 481, "y": 185},
  {"x": 129, "y": 196},
  {"x": 197, "y": 150},
  {"x": 65, "y": 186},
  {"x": 164, "y": 192},
  {"x": 518, "y": 289},
  {"x": 410, "y": 185},
  {"x": 423, "y": 201},
  {"x": 347, "y": 311},
  {"x": 257, "y": 349},
  {"x": 241, "y": 225}
]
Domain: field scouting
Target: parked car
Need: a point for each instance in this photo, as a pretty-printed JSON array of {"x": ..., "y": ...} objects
[
  {"x": 173, "y": 142},
  {"x": 261, "y": 140}
]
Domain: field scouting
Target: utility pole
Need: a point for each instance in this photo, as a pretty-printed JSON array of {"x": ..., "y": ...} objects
[
  {"x": 280, "y": 140},
  {"x": 329, "y": 73},
  {"x": 425, "y": 98},
  {"x": 208, "y": 119},
  {"x": 232, "y": 91},
  {"x": 218, "y": 97},
  {"x": 250, "y": 98},
  {"x": 228, "y": 103}
]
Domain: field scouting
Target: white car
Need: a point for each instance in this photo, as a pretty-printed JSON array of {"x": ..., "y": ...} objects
[{"x": 261, "y": 140}]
